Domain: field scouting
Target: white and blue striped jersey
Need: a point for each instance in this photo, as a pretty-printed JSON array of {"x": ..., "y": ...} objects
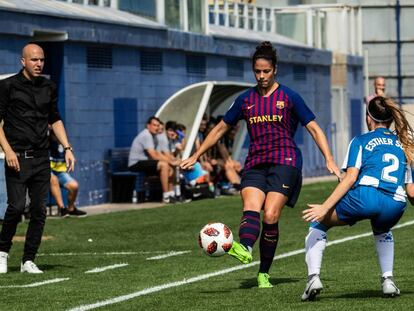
[{"x": 381, "y": 161}]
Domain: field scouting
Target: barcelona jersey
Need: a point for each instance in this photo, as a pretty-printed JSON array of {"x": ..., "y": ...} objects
[{"x": 271, "y": 122}]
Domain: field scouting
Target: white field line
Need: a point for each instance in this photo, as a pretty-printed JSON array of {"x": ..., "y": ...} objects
[
  {"x": 106, "y": 253},
  {"x": 37, "y": 283},
  {"x": 202, "y": 277},
  {"x": 101, "y": 269},
  {"x": 169, "y": 254}
]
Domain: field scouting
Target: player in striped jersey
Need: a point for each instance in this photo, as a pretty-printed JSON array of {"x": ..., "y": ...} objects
[
  {"x": 377, "y": 169},
  {"x": 272, "y": 175}
]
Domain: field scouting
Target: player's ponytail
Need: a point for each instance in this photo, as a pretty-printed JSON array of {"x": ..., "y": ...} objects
[
  {"x": 266, "y": 51},
  {"x": 385, "y": 110}
]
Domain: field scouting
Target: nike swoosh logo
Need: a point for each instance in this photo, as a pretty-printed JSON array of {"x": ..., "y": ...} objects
[
  {"x": 250, "y": 107},
  {"x": 310, "y": 285},
  {"x": 284, "y": 186}
]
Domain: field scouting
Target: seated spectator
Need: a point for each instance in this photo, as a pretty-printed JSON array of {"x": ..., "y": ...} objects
[
  {"x": 144, "y": 157},
  {"x": 181, "y": 131},
  {"x": 224, "y": 167},
  {"x": 64, "y": 179},
  {"x": 230, "y": 166},
  {"x": 175, "y": 145},
  {"x": 205, "y": 163},
  {"x": 56, "y": 193},
  {"x": 162, "y": 140}
]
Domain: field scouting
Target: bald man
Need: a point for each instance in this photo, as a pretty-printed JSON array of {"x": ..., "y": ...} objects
[
  {"x": 28, "y": 104},
  {"x": 379, "y": 89}
]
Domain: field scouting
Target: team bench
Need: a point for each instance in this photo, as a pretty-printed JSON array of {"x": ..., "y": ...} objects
[{"x": 123, "y": 182}]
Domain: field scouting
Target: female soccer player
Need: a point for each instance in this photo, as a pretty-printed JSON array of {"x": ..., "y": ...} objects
[
  {"x": 373, "y": 188},
  {"x": 272, "y": 173}
]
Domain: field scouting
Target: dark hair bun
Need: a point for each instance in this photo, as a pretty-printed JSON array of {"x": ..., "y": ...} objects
[
  {"x": 264, "y": 44},
  {"x": 378, "y": 110},
  {"x": 266, "y": 51}
]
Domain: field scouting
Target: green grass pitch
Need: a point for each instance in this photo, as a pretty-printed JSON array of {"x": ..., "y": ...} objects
[{"x": 350, "y": 271}]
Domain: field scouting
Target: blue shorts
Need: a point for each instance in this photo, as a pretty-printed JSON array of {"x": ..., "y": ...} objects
[
  {"x": 64, "y": 178},
  {"x": 283, "y": 179},
  {"x": 364, "y": 202}
]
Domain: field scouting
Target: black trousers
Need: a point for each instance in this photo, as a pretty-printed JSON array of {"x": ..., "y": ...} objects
[{"x": 34, "y": 177}]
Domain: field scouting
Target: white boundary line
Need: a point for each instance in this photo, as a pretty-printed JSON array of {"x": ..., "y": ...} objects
[
  {"x": 101, "y": 269},
  {"x": 169, "y": 254},
  {"x": 108, "y": 253},
  {"x": 213, "y": 274},
  {"x": 37, "y": 283}
]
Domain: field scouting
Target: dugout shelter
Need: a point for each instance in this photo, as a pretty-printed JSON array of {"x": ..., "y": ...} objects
[{"x": 188, "y": 105}]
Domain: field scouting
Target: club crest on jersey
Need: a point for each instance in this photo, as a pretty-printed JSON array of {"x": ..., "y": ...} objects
[{"x": 280, "y": 104}]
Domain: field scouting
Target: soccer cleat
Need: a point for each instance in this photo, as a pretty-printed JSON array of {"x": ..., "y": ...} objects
[
  {"x": 313, "y": 288},
  {"x": 240, "y": 252},
  {"x": 3, "y": 262},
  {"x": 263, "y": 280},
  {"x": 389, "y": 289},
  {"x": 30, "y": 267}
]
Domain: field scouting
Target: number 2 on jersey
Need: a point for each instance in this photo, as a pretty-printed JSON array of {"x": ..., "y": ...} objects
[{"x": 386, "y": 171}]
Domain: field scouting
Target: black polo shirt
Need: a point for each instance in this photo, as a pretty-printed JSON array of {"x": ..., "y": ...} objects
[{"x": 27, "y": 107}]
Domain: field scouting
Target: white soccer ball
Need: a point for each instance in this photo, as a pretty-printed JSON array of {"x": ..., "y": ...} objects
[{"x": 215, "y": 239}]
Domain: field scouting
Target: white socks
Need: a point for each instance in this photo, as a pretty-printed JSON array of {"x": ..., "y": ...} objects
[
  {"x": 315, "y": 244},
  {"x": 384, "y": 244}
]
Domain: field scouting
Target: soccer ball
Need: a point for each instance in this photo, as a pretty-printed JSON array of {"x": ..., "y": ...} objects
[{"x": 215, "y": 239}]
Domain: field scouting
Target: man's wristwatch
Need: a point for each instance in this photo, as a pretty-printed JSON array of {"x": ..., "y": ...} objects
[{"x": 68, "y": 148}]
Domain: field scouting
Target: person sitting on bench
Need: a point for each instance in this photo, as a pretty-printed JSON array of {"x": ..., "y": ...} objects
[{"x": 143, "y": 157}]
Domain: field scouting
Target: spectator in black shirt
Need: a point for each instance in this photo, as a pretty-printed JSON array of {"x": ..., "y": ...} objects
[{"x": 28, "y": 103}]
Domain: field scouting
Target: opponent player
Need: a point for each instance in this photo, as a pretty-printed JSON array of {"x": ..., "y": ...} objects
[
  {"x": 272, "y": 175},
  {"x": 373, "y": 188}
]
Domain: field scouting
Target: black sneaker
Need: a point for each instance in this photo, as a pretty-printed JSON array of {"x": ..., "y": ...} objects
[
  {"x": 63, "y": 212},
  {"x": 183, "y": 199},
  {"x": 169, "y": 200},
  {"x": 76, "y": 213},
  {"x": 230, "y": 191}
]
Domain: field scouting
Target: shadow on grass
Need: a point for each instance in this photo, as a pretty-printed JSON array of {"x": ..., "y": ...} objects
[
  {"x": 250, "y": 283},
  {"x": 216, "y": 292},
  {"x": 368, "y": 294}
]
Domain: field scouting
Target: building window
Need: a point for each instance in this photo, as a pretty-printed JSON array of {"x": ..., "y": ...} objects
[
  {"x": 151, "y": 61},
  {"x": 172, "y": 13},
  {"x": 196, "y": 64},
  {"x": 99, "y": 57},
  {"x": 299, "y": 73},
  {"x": 146, "y": 8},
  {"x": 195, "y": 11},
  {"x": 235, "y": 67}
]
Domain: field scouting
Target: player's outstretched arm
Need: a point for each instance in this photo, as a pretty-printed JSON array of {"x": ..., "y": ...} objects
[
  {"x": 317, "y": 212},
  {"x": 216, "y": 133},
  {"x": 322, "y": 142}
]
